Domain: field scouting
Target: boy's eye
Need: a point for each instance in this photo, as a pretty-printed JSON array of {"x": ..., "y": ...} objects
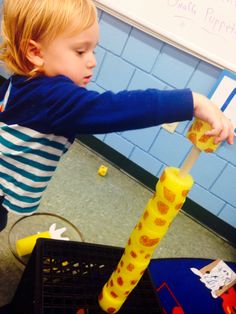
[{"x": 80, "y": 53}]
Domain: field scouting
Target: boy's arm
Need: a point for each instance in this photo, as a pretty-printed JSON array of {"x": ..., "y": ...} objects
[
  {"x": 74, "y": 110},
  {"x": 71, "y": 110}
]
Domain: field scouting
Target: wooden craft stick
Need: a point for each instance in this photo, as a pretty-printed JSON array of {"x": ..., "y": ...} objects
[{"x": 189, "y": 161}]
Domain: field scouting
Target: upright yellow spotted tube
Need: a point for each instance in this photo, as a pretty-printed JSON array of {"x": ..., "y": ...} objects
[
  {"x": 171, "y": 192},
  {"x": 170, "y": 195}
]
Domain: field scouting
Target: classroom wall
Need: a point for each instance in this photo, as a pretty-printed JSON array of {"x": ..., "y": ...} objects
[{"x": 130, "y": 59}]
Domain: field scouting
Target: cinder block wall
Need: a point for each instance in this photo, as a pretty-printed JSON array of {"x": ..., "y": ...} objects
[{"x": 131, "y": 59}]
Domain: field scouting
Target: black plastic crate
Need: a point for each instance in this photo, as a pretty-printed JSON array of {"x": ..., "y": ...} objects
[{"x": 64, "y": 276}]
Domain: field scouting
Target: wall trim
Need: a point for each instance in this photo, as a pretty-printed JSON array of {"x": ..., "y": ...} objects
[{"x": 190, "y": 208}]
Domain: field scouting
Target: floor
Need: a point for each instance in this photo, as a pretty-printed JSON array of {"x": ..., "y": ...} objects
[{"x": 105, "y": 209}]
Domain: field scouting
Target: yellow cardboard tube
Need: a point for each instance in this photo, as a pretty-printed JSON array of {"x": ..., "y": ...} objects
[{"x": 25, "y": 246}]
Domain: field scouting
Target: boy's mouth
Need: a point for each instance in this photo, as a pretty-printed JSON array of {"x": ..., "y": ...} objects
[{"x": 87, "y": 79}]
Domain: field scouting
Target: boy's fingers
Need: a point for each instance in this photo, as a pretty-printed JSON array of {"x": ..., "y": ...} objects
[
  {"x": 231, "y": 139},
  {"x": 215, "y": 130},
  {"x": 223, "y": 131}
]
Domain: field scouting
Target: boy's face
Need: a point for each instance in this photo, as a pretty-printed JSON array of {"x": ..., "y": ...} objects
[{"x": 72, "y": 55}]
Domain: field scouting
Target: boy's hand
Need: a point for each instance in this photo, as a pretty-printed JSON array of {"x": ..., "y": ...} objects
[{"x": 222, "y": 128}]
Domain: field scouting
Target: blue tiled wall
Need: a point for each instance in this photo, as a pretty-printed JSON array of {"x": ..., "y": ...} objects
[{"x": 130, "y": 59}]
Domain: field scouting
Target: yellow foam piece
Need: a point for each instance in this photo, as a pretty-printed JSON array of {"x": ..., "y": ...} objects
[
  {"x": 114, "y": 287},
  {"x": 136, "y": 252},
  {"x": 172, "y": 188},
  {"x": 102, "y": 171},
  {"x": 154, "y": 220},
  {"x": 126, "y": 279},
  {"x": 108, "y": 303},
  {"x": 196, "y": 134},
  {"x": 25, "y": 246},
  {"x": 171, "y": 192},
  {"x": 126, "y": 276},
  {"x": 144, "y": 238},
  {"x": 131, "y": 267},
  {"x": 160, "y": 208}
]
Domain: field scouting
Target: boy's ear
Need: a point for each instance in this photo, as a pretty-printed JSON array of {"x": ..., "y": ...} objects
[{"x": 34, "y": 54}]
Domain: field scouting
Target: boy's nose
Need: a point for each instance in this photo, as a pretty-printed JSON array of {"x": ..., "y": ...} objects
[{"x": 92, "y": 62}]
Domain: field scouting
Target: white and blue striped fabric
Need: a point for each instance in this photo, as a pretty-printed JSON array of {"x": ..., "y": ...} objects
[{"x": 28, "y": 161}]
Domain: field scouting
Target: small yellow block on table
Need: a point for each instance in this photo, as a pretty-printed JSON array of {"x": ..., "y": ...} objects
[{"x": 102, "y": 171}]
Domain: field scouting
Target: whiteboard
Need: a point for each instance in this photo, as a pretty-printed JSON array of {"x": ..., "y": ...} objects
[{"x": 204, "y": 28}]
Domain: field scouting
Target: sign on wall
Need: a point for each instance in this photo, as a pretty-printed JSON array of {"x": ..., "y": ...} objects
[{"x": 224, "y": 95}]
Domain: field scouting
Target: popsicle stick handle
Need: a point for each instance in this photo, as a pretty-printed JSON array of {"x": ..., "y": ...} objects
[{"x": 189, "y": 161}]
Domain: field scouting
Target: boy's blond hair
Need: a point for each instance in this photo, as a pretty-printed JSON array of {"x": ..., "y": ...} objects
[{"x": 38, "y": 20}]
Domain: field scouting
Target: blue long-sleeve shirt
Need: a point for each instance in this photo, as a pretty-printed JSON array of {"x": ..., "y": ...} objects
[{"x": 42, "y": 116}]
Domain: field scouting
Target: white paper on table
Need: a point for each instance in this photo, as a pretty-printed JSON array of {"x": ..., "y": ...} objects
[{"x": 217, "y": 276}]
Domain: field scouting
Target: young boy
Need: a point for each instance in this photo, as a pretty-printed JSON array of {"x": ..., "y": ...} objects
[{"x": 49, "y": 48}]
